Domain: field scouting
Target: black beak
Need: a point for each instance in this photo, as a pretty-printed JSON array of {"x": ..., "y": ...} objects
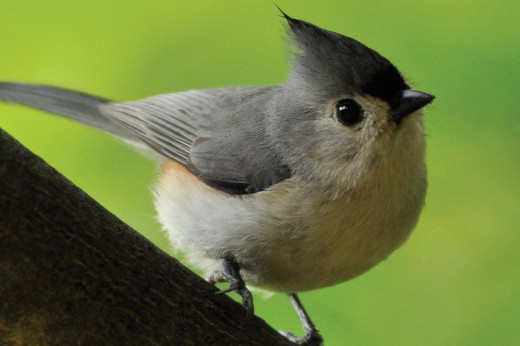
[{"x": 408, "y": 101}]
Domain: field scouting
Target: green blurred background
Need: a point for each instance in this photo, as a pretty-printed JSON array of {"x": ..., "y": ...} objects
[{"x": 456, "y": 281}]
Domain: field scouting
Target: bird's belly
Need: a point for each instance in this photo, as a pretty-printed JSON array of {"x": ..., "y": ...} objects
[
  {"x": 328, "y": 250},
  {"x": 283, "y": 239},
  {"x": 308, "y": 265}
]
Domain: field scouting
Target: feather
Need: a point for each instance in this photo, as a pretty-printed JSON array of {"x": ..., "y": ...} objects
[
  {"x": 75, "y": 105},
  {"x": 207, "y": 131}
]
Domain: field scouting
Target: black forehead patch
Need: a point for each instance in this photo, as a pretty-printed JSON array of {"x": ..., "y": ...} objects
[{"x": 386, "y": 85}]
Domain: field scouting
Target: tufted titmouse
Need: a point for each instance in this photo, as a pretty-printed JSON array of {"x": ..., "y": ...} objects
[{"x": 287, "y": 187}]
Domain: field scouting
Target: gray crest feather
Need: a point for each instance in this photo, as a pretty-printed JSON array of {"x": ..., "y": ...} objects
[{"x": 330, "y": 62}]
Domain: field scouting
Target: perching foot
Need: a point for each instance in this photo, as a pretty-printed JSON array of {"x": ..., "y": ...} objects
[
  {"x": 312, "y": 335},
  {"x": 230, "y": 273}
]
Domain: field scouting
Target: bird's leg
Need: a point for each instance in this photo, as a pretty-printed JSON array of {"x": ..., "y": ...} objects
[
  {"x": 312, "y": 335},
  {"x": 230, "y": 273}
]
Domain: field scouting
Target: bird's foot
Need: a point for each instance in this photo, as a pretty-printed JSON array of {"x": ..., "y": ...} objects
[
  {"x": 312, "y": 335},
  {"x": 310, "y": 339},
  {"x": 230, "y": 273}
]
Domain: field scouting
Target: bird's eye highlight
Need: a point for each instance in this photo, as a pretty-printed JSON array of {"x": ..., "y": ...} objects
[{"x": 349, "y": 112}]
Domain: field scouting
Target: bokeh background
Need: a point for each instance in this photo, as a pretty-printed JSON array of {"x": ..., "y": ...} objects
[{"x": 456, "y": 281}]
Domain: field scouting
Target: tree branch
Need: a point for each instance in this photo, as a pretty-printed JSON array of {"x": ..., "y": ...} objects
[{"x": 72, "y": 273}]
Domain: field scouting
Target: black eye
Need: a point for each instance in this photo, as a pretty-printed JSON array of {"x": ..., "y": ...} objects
[{"x": 349, "y": 112}]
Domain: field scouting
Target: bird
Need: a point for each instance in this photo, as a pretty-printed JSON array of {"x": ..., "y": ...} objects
[{"x": 288, "y": 187}]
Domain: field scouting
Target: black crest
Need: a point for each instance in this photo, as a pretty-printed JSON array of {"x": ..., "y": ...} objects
[{"x": 331, "y": 60}]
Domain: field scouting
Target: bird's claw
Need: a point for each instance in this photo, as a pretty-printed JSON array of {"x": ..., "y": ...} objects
[
  {"x": 230, "y": 273},
  {"x": 310, "y": 339},
  {"x": 247, "y": 297},
  {"x": 312, "y": 335},
  {"x": 247, "y": 301}
]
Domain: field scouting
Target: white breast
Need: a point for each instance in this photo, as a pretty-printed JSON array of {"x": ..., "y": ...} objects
[{"x": 295, "y": 236}]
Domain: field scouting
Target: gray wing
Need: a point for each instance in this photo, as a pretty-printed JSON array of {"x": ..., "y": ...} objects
[{"x": 218, "y": 134}]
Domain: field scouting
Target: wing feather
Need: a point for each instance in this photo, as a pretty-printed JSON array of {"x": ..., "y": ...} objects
[{"x": 206, "y": 131}]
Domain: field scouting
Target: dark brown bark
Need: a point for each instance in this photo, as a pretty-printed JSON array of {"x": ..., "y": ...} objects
[{"x": 72, "y": 273}]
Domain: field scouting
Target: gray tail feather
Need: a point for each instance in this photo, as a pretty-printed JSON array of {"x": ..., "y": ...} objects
[{"x": 71, "y": 104}]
